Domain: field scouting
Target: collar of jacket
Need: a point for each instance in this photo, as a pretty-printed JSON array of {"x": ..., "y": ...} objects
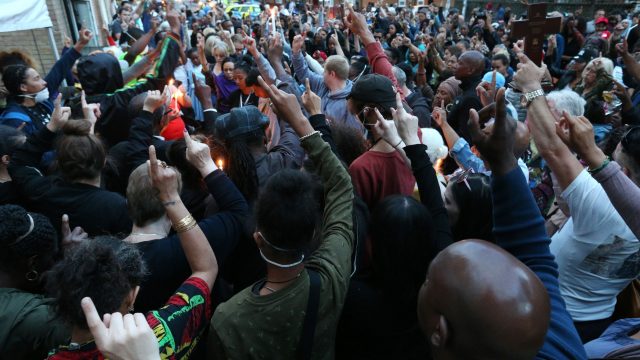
[{"x": 470, "y": 83}]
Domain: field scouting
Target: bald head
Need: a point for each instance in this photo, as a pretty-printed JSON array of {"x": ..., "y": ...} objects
[
  {"x": 481, "y": 302},
  {"x": 470, "y": 64}
]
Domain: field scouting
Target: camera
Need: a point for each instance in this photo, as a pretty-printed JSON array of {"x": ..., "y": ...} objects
[{"x": 481, "y": 15}]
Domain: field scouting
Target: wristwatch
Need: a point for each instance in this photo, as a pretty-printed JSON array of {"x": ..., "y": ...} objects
[{"x": 527, "y": 98}]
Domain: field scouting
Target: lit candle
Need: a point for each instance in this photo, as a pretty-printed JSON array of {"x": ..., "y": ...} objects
[
  {"x": 273, "y": 19},
  {"x": 220, "y": 163}
]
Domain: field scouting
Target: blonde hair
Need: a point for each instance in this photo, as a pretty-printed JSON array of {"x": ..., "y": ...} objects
[{"x": 339, "y": 65}]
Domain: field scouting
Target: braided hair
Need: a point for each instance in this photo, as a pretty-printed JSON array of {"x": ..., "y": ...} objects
[
  {"x": 20, "y": 242},
  {"x": 13, "y": 76},
  {"x": 242, "y": 166}
]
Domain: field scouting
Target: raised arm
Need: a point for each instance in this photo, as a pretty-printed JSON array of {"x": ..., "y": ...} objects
[
  {"x": 266, "y": 71},
  {"x": 300, "y": 65},
  {"x": 633, "y": 67},
  {"x": 140, "y": 44},
  {"x": 141, "y": 132},
  {"x": 312, "y": 103},
  {"x": 57, "y": 73},
  {"x": 424, "y": 173},
  {"x": 197, "y": 250},
  {"x": 338, "y": 241},
  {"x": 542, "y": 125},
  {"x": 623, "y": 193},
  {"x": 377, "y": 58},
  {"x": 518, "y": 226}
]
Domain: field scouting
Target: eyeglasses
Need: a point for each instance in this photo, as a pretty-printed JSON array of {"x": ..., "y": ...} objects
[
  {"x": 461, "y": 177},
  {"x": 626, "y": 141},
  {"x": 365, "y": 110}
]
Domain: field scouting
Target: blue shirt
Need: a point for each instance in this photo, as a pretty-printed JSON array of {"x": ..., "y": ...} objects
[{"x": 615, "y": 337}]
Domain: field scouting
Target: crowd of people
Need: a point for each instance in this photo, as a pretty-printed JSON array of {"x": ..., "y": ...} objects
[{"x": 321, "y": 183}]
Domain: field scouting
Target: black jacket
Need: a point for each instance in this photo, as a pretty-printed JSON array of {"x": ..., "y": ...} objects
[
  {"x": 420, "y": 108},
  {"x": 101, "y": 79},
  {"x": 459, "y": 114},
  {"x": 97, "y": 211}
]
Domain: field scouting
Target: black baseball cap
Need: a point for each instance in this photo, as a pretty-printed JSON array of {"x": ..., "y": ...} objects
[
  {"x": 375, "y": 89},
  {"x": 585, "y": 55}
]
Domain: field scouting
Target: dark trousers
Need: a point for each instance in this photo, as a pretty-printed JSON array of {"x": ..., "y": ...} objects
[{"x": 591, "y": 330}]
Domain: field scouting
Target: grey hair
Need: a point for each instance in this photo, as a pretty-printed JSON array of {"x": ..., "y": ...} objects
[
  {"x": 401, "y": 77},
  {"x": 568, "y": 100}
]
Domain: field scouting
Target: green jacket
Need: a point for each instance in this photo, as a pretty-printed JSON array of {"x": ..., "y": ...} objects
[
  {"x": 28, "y": 326},
  {"x": 249, "y": 326}
]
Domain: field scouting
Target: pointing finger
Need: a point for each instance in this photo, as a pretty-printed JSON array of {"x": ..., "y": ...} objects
[
  {"x": 96, "y": 326},
  {"x": 187, "y": 139}
]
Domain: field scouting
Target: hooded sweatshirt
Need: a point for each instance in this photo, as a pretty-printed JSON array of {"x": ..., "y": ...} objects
[
  {"x": 101, "y": 79},
  {"x": 334, "y": 103}
]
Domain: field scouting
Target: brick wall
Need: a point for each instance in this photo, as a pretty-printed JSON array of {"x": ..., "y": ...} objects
[{"x": 36, "y": 42}]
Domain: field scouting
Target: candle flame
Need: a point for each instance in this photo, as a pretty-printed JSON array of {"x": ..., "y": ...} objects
[
  {"x": 171, "y": 82},
  {"x": 220, "y": 163},
  {"x": 273, "y": 11}
]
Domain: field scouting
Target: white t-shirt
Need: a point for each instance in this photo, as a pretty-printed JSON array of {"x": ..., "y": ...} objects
[{"x": 596, "y": 252}]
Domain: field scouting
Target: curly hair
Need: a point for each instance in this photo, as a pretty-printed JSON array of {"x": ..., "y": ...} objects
[
  {"x": 41, "y": 241},
  {"x": 105, "y": 269}
]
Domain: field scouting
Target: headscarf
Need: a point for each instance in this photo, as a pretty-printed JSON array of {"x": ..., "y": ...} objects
[{"x": 452, "y": 87}]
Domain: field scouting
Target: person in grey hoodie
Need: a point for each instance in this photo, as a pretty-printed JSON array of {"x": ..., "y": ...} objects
[{"x": 333, "y": 87}]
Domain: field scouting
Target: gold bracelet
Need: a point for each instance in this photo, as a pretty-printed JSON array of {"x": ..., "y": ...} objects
[{"x": 185, "y": 224}]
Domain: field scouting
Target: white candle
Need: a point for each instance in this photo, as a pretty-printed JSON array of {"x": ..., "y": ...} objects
[{"x": 273, "y": 19}]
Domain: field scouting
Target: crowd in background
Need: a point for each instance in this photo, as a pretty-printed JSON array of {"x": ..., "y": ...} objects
[{"x": 303, "y": 181}]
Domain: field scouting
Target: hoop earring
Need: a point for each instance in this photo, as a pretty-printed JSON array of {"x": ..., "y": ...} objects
[{"x": 31, "y": 275}]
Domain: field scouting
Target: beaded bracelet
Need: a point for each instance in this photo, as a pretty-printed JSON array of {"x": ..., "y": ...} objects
[{"x": 599, "y": 168}]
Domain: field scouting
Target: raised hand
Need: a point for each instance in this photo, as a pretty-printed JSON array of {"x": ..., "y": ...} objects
[
  {"x": 275, "y": 50},
  {"x": 121, "y": 337},
  {"x": 70, "y": 237},
  {"x": 91, "y": 112},
  {"x": 407, "y": 124},
  {"x": 496, "y": 146},
  {"x": 577, "y": 133},
  {"x": 529, "y": 76},
  {"x": 287, "y": 108},
  {"x": 250, "y": 44},
  {"x": 439, "y": 115},
  {"x": 387, "y": 130},
  {"x": 310, "y": 100},
  {"x": 487, "y": 91},
  {"x": 203, "y": 92},
  {"x": 623, "y": 48},
  {"x": 356, "y": 22},
  {"x": 59, "y": 116},
  {"x": 199, "y": 155},
  {"x": 173, "y": 18},
  {"x": 163, "y": 177},
  {"x": 154, "y": 100},
  {"x": 85, "y": 36},
  {"x": 297, "y": 43}
]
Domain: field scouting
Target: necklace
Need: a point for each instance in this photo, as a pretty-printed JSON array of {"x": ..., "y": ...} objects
[{"x": 148, "y": 234}]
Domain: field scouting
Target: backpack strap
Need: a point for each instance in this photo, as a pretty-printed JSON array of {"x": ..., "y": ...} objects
[{"x": 305, "y": 346}]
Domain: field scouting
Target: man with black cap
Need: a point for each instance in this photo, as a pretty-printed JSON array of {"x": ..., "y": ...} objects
[{"x": 381, "y": 171}]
